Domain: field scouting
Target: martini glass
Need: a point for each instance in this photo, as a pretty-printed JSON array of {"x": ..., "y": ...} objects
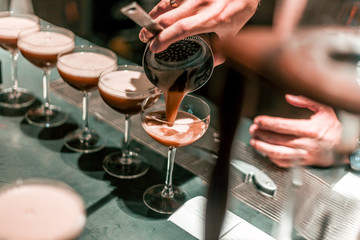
[
  {"x": 191, "y": 123},
  {"x": 11, "y": 23},
  {"x": 81, "y": 68},
  {"x": 41, "y": 47},
  {"x": 124, "y": 89}
]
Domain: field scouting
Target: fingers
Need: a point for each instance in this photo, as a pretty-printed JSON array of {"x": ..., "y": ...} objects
[
  {"x": 310, "y": 141},
  {"x": 145, "y": 35},
  {"x": 180, "y": 23},
  {"x": 281, "y": 156},
  {"x": 283, "y": 139},
  {"x": 161, "y": 8},
  {"x": 195, "y": 17},
  {"x": 319, "y": 123},
  {"x": 303, "y": 102},
  {"x": 277, "y": 151},
  {"x": 297, "y": 127},
  {"x": 313, "y": 154},
  {"x": 173, "y": 33},
  {"x": 166, "y": 15}
]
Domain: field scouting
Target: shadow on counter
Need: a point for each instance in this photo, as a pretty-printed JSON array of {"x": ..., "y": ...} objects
[{"x": 129, "y": 192}]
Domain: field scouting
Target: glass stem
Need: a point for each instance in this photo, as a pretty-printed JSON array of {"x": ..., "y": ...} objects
[
  {"x": 126, "y": 140},
  {"x": 14, "y": 72},
  {"x": 46, "y": 95},
  {"x": 168, "y": 189},
  {"x": 85, "y": 110}
]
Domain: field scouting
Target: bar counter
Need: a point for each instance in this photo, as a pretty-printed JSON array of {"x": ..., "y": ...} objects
[{"x": 114, "y": 207}]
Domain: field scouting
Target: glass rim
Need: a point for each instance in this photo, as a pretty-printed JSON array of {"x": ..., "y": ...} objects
[
  {"x": 19, "y": 14},
  {"x": 43, "y": 28},
  {"x": 178, "y": 124},
  {"x": 137, "y": 68},
  {"x": 108, "y": 51},
  {"x": 43, "y": 182}
]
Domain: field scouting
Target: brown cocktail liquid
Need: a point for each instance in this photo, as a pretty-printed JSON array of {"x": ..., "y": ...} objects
[
  {"x": 186, "y": 129},
  {"x": 180, "y": 69},
  {"x": 173, "y": 97},
  {"x": 173, "y": 86}
]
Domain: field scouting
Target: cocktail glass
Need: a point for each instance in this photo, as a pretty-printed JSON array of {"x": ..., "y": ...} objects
[
  {"x": 191, "y": 123},
  {"x": 81, "y": 68},
  {"x": 41, "y": 47},
  {"x": 40, "y": 209},
  {"x": 11, "y": 23},
  {"x": 124, "y": 89}
]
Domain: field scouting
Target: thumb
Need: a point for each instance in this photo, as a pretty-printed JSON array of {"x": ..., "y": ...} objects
[{"x": 303, "y": 102}]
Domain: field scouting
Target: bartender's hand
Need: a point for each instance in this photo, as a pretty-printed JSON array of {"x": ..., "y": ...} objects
[
  {"x": 191, "y": 17},
  {"x": 310, "y": 141}
]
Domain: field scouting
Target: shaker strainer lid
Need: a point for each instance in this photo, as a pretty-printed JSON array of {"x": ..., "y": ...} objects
[
  {"x": 190, "y": 51},
  {"x": 179, "y": 53}
]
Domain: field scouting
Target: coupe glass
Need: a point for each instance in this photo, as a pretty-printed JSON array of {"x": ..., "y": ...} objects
[
  {"x": 40, "y": 209},
  {"x": 41, "y": 47},
  {"x": 81, "y": 68},
  {"x": 191, "y": 123},
  {"x": 124, "y": 89},
  {"x": 11, "y": 23}
]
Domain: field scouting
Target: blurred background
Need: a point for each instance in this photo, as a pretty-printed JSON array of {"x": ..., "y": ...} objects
[{"x": 102, "y": 23}]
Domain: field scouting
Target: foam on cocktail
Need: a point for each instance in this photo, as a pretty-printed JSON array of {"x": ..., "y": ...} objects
[
  {"x": 11, "y": 26},
  {"x": 40, "y": 211},
  {"x": 185, "y": 130},
  {"x": 123, "y": 83},
  {"x": 85, "y": 64},
  {"x": 46, "y": 43},
  {"x": 179, "y": 126}
]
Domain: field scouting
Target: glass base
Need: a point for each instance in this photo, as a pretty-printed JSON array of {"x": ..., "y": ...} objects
[
  {"x": 131, "y": 167},
  {"x": 53, "y": 117},
  {"x": 85, "y": 141},
  {"x": 155, "y": 199},
  {"x": 21, "y": 99}
]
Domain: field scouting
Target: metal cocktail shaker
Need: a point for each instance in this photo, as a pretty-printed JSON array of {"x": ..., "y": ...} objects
[{"x": 184, "y": 66}]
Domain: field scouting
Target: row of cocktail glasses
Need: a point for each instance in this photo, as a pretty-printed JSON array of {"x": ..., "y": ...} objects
[
  {"x": 126, "y": 89},
  {"x": 48, "y": 47}
]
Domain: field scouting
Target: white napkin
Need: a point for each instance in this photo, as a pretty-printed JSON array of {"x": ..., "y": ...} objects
[
  {"x": 191, "y": 218},
  {"x": 349, "y": 186}
]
